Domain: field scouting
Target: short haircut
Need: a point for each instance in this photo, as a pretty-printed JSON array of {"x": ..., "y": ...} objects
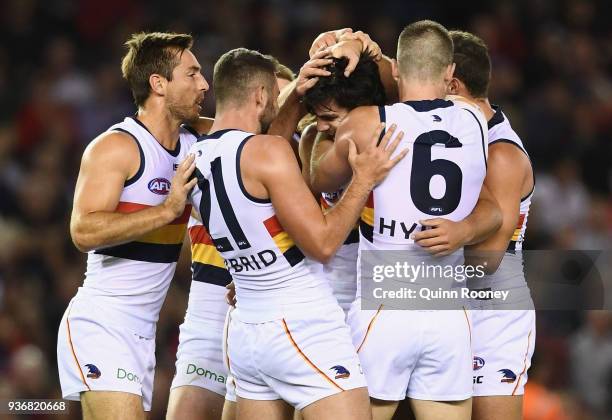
[
  {"x": 473, "y": 63},
  {"x": 236, "y": 73},
  {"x": 424, "y": 50},
  {"x": 282, "y": 71},
  {"x": 363, "y": 87},
  {"x": 151, "y": 53}
]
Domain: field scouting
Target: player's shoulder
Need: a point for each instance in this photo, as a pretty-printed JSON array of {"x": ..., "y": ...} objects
[
  {"x": 113, "y": 142},
  {"x": 362, "y": 113},
  {"x": 114, "y": 150},
  {"x": 358, "y": 120},
  {"x": 467, "y": 113},
  {"x": 267, "y": 146}
]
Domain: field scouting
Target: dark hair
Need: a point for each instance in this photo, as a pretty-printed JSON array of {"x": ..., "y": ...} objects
[
  {"x": 424, "y": 49},
  {"x": 237, "y": 70},
  {"x": 151, "y": 53},
  {"x": 362, "y": 87},
  {"x": 473, "y": 64}
]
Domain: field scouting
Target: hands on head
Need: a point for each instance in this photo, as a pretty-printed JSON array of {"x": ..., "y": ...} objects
[{"x": 341, "y": 43}]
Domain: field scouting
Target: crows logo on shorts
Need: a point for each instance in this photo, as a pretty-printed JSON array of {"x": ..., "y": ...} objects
[
  {"x": 94, "y": 372},
  {"x": 478, "y": 363},
  {"x": 509, "y": 376},
  {"x": 341, "y": 372}
]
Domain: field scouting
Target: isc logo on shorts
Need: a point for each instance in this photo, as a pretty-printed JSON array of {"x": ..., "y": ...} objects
[
  {"x": 124, "y": 374},
  {"x": 208, "y": 374},
  {"x": 159, "y": 186}
]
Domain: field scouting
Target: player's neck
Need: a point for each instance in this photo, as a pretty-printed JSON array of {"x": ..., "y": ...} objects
[
  {"x": 417, "y": 90},
  {"x": 238, "y": 119},
  {"x": 486, "y": 107},
  {"x": 163, "y": 126}
]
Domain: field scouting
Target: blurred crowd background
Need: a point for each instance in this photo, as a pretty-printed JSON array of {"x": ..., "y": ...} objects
[{"x": 60, "y": 86}]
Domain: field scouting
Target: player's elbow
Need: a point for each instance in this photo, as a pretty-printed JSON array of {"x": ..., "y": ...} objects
[
  {"x": 81, "y": 240},
  {"x": 321, "y": 252},
  {"x": 498, "y": 219},
  {"x": 324, "y": 253},
  {"x": 81, "y": 243}
]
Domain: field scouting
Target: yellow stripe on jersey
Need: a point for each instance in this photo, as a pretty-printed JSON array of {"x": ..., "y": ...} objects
[
  {"x": 283, "y": 241},
  {"x": 367, "y": 215},
  {"x": 207, "y": 254},
  {"x": 281, "y": 238}
]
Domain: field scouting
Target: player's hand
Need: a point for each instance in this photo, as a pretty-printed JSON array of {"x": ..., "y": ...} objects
[
  {"x": 180, "y": 187},
  {"x": 349, "y": 49},
  {"x": 367, "y": 44},
  {"x": 311, "y": 71},
  {"x": 230, "y": 295},
  {"x": 327, "y": 39},
  {"x": 444, "y": 237},
  {"x": 374, "y": 163}
]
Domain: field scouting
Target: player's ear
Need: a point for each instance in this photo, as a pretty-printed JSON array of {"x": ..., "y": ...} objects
[
  {"x": 261, "y": 95},
  {"x": 394, "y": 69},
  {"x": 450, "y": 70},
  {"x": 453, "y": 87},
  {"x": 158, "y": 84}
]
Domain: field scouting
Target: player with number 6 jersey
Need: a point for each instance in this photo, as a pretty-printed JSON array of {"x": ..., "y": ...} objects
[{"x": 430, "y": 361}]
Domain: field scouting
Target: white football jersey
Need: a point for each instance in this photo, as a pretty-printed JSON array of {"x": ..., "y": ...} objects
[
  {"x": 441, "y": 176},
  {"x": 268, "y": 269},
  {"x": 132, "y": 279}
]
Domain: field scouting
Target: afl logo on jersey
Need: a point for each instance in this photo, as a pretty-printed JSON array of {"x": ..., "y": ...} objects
[{"x": 160, "y": 186}]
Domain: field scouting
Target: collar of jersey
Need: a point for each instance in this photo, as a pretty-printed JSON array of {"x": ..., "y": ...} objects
[
  {"x": 428, "y": 104},
  {"x": 217, "y": 134},
  {"x": 497, "y": 118},
  {"x": 174, "y": 152}
]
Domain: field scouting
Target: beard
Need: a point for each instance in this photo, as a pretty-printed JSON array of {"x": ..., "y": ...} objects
[{"x": 183, "y": 111}]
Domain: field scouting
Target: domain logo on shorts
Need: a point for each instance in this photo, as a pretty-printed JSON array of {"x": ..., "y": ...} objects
[{"x": 159, "y": 186}]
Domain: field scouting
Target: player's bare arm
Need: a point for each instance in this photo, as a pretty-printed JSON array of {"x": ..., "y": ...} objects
[
  {"x": 330, "y": 169},
  {"x": 509, "y": 178},
  {"x": 306, "y": 145},
  {"x": 107, "y": 163},
  {"x": 321, "y": 143},
  {"x": 277, "y": 175}
]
